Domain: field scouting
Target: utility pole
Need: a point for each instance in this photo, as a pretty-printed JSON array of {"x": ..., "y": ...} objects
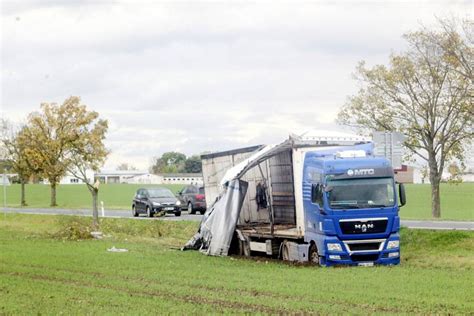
[{"x": 5, "y": 182}]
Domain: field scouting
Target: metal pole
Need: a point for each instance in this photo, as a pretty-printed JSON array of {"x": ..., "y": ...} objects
[{"x": 4, "y": 179}]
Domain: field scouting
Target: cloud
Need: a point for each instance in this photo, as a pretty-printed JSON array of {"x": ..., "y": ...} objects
[{"x": 198, "y": 76}]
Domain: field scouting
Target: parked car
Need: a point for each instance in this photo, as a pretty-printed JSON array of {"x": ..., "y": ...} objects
[
  {"x": 193, "y": 199},
  {"x": 153, "y": 200}
]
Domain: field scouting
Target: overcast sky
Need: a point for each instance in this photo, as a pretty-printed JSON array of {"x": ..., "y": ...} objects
[{"x": 199, "y": 76}]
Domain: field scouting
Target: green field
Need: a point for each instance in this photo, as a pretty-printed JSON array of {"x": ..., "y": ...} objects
[
  {"x": 42, "y": 271},
  {"x": 74, "y": 196},
  {"x": 457, "y": 201}
]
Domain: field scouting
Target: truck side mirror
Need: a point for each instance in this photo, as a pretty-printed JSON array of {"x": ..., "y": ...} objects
[{"x": 401, "y": 194}]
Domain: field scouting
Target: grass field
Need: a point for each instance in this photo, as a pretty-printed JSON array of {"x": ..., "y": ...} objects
[
  {"x": 457, "y": 201},
  {"x": 114, "y": 196},
  {"x": 43, "y": 272}
]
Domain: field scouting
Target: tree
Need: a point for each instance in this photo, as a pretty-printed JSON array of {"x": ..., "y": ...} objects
[
  {"x": 425, "y": 93},
  {"x": 86, "y": 150},
  {"x": 193, "y": 164},
  {"x": 125, "y": 166},
  {"x": 455, "y": 173},
  {"x": 46, "y": 135},
  {"x": 14, "y": 148},
  {"x": 169, "y": 162}
]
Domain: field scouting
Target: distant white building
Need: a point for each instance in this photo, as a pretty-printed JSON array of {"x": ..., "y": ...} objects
[
  {"x": 70, "y": 179},
  {"x": 167, "y": 178},
  {"x": 144, "y": 177},
  {"x": 181, "y": 178},
  {"x": 118, "y": 176}
]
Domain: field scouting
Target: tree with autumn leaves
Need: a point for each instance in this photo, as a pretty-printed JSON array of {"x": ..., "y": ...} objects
[
  {"x": 66, "y": 138},
  {"x": 426, "y": 93}
]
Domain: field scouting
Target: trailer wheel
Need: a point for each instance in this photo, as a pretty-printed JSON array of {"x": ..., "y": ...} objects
[
  {"x": 313, "y": 256},
  {"x": 285, "y": 252}
]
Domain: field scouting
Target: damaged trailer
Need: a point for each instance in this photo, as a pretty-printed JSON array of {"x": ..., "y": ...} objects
[{"x": 325, "y": 200}]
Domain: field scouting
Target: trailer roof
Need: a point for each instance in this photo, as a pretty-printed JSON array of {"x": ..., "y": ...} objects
[{"x": 231, "y": 152}]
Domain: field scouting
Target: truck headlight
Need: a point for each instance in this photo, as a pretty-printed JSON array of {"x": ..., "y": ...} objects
[
  {"x": 178, "y": 203},
  {"x": 334, "y": 247},
  {"x": 156, "y": 204},
  {"x": 393, "y": 244}
]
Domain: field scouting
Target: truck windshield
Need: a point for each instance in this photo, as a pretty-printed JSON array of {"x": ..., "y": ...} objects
[{"x": 360, "y": 193}]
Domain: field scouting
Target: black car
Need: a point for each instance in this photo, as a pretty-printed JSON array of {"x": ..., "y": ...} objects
[
  {"x": 153, "y": 200},
  {"x": 193, "y": 199}
]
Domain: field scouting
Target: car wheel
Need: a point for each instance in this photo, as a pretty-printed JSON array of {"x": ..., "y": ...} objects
[
  {"x": 202, "y": 211},
  {"x": 177, "y": 213},
  {"x": 313, "y": 256},
  {"x": 191, "y": 208},
  {"x": 134, "y": 211},
  {"x": 149, "y": 212}
]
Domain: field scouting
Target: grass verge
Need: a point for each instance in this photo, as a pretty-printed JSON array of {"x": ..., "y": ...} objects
[{"x": 44, "y": 273}]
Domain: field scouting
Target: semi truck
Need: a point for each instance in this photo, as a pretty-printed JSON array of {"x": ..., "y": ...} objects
[{"x": 322, "y": 200}]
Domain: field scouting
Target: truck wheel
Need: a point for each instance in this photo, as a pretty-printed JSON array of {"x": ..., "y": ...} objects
[
  {"x": 149, "y": 213},
  {"x": 191, "y": 208},
  {"x": 285, "y": 252},
  {"x": 313, "y": 256},
  {"x": 134, "y": 211}
]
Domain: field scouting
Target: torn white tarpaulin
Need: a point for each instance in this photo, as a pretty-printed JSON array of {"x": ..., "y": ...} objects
[{"x": 218, "y": 224}]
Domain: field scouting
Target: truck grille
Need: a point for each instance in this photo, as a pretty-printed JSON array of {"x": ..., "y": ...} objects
[
  {"x": 362, "y": 226},
  {"x": 366, "y": 246}
]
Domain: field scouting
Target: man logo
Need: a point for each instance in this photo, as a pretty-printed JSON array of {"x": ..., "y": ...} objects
[
  {"x": 364, "y": 227},
  {"x": 360, "y": 172}
]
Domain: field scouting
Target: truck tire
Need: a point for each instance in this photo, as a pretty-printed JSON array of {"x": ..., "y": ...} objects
[
  {"x": 285, "y": 251},
  {"x": 313, "y": 256}
]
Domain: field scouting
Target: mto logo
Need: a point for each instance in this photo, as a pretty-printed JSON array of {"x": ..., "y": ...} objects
[{"x": 360, "y": 172}]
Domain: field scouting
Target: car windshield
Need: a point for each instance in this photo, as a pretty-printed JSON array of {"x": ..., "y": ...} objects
[
  {"x": 159, "y": 193},
  {"x": 360, "y": 193}
]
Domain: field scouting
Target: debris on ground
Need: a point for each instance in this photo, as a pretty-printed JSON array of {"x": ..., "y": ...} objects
[{"x": 113, "y": 249}]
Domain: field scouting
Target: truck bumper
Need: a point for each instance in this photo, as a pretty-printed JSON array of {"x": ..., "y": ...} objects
[{"x": 362, "y": 252}]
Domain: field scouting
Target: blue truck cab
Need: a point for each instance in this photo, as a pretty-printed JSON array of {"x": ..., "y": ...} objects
[{"x": 351, "y": 207}]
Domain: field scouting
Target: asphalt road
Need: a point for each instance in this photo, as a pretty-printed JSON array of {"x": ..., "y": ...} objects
[
  {"x": 108, "y": 213},
  {"x": 438, "y": 225}
]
